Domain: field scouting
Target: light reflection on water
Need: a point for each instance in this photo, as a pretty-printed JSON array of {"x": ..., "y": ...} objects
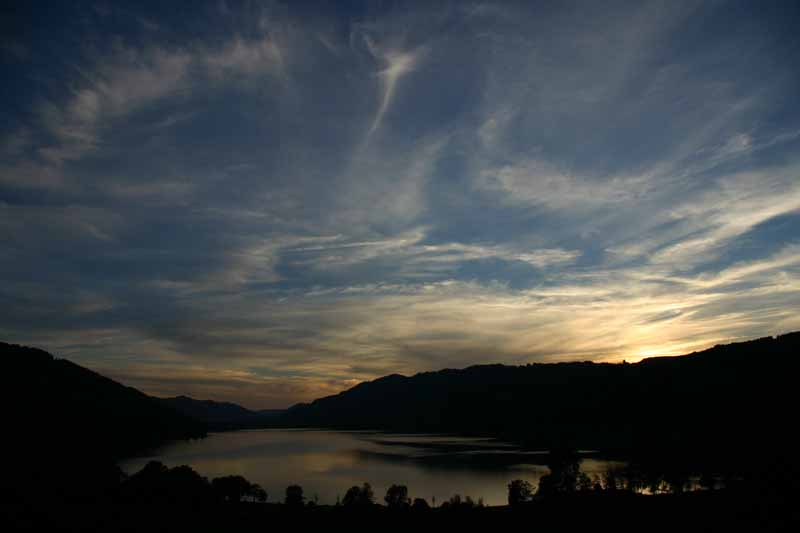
[{"x": 326, "y": 463}]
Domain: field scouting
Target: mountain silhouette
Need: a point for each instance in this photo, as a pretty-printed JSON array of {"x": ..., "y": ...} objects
[{"x": 720, "y": 405}]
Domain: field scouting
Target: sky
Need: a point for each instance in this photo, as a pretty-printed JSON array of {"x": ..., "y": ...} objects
[{"x": 271, "y": 202}]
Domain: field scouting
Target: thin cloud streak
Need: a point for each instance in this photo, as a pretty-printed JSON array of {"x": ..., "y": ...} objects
[{"x": 398, "y": 64}]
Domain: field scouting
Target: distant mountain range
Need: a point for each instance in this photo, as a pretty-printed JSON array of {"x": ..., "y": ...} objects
[
  {"x": 728, "y": 401},
  {"x": 221, "y": 416},
  {"x": 731, "y": 399}
]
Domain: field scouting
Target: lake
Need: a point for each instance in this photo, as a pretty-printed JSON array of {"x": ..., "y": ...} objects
[{"x": 327, "y": 463}]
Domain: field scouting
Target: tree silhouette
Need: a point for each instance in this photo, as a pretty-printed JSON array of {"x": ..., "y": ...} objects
[
  {"x": 584, "y": 482},
  {"x": 564, "y": 473},
  {"x": 367, "y": 495},
  {"x": 519, "y": 492},
  {"x": 397, "y": 497},
  {"x": 257, "y": 493},
  {"x": 359, "y": 496}
]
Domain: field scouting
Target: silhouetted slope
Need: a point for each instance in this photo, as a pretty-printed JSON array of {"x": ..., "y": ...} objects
[
  {"x": 220, "y": 415},
  {"x": 65, "y": 422},
  {"x": 727, "y": 400},
  {"x": 92, "y": 410}
]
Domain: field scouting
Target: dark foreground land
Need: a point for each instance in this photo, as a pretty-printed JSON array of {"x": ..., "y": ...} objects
[{"x": 704, "y": 511}]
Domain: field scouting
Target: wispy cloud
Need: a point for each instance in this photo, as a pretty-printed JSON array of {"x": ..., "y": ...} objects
[
  {"x": 115, "y": 89},
  {"x": 396, "y": 64}
]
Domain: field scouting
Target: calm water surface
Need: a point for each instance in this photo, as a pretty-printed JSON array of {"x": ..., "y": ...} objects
[{"x": 326, "y": 463}]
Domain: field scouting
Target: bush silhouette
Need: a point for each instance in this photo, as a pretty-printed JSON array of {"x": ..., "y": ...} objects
[
  {"x": 156, "y": 483},
  {"x": 294, "y": 496},
  {"x": 236, "y": 488},
  {"x": 456, "y": 502},
  {"x": 420, "y": 504}
]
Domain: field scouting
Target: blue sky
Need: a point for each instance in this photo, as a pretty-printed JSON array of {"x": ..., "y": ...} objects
[{"x": 269, "y": 202}]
